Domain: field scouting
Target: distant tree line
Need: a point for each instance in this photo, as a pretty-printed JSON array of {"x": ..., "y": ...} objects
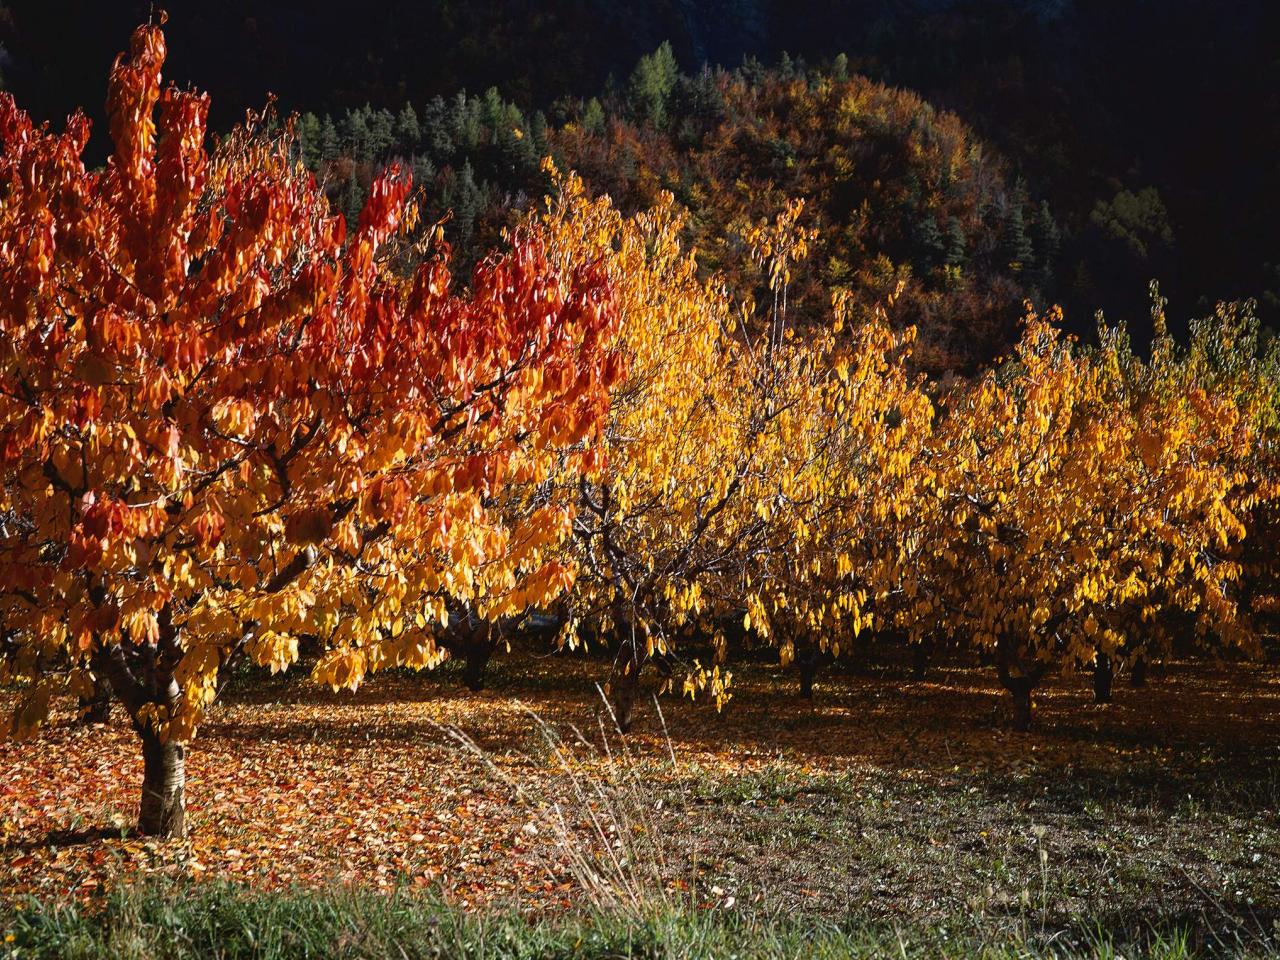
[{"x": 911, "y": 207}]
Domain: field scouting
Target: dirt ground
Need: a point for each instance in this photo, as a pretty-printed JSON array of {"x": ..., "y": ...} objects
[{"x": 907, "y": 801}]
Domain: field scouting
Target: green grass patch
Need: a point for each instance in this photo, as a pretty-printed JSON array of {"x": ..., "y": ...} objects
[{"x": 221, "y": 921}]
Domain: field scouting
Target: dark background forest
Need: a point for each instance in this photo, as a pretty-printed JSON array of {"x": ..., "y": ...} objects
[{"x": 1113, "y": 142}]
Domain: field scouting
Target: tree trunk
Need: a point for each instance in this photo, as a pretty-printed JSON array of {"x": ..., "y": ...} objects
[
  {"x": 808, "y": 669},
  {"x": 1138, "y": 672},
  {"x": 471, "y": 640},
  {"x": 96, "y": 708},
  {"x": 479, "y": 650},
  {"x": 1020, "y": 684},
  {"x": 809, "y": 666},
  {"x": 810, "y": 662},
  {"x": 164, "y": 806},
  {"x": 478, "y": 655},
  {"x": 1103, "y": 671},
  {"x": 923, "y": 656},
  {"x": 1020, "y": 687},
  {"x": 624, "y": 686}
]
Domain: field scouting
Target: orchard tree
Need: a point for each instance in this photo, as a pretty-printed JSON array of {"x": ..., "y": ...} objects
[
  {"x": 739, "y": 467},
  {"x": 1205, "y": 421},
  {"x": 226, "y": 426},
  {"x": 843, "y": 531},
  {"x": 1072, "y": 516},
  {"x": 1227, "y": 355},
  {"x": 670, "y": 523}
]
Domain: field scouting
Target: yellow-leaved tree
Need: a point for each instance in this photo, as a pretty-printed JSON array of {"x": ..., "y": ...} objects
[
  {"x": 699, "y": 450},
  {"x": 749, "y": 484},
  {"x": 1203, "y": 417},
  {"x": 1074, "y": 505},
  {"x": 858, "y": 437}
]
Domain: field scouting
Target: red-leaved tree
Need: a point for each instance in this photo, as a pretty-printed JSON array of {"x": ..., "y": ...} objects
[{"x": 226, "y": 427}]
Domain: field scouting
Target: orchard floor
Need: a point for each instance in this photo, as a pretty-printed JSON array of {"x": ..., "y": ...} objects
[{"x": 898, "y": 802}]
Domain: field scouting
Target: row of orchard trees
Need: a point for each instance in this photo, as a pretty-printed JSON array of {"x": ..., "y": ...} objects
[
  {"x": 230, "y": 428},
  {"x": 1071, "y": 507}
]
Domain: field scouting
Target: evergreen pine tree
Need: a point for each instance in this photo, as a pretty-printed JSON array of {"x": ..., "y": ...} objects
[
  {"x": 929, "y": 236},
  {"x": 703, "y": 100},
  {"x": 752, "y": 71},
  {"x": 436, "y": 137},
  {"x": 1017, "y": 243},
  {"x": 382, "y": 138},
  {"x": 593, "y": 117},
  {"x": 1048, "y": 240},
  {"x": 493, "y": 112},
  {"x": 424, "y": 171},
  {"x": 957, "y": 252},
  {"x": 408, "y": 130},
  {"x": 525, "y": 153},
  {"x": 538, "y": 133},
  {"x": 464, "y": 122},
  {"x": 330, "y": 146},
  {"x": 468, "y": 203},
  {"x": 651, "y": 84},
  {"x": 356, "y": 135},
  {"x": 352, "y": 201},
  {"x": 308, "y": 130}
]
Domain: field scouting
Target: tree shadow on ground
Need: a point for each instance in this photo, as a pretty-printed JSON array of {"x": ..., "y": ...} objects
[
  {"x": 1195, "y": 706},
  {"x": 66, "y": 838},
  {"x": 1203, "y": 732}
]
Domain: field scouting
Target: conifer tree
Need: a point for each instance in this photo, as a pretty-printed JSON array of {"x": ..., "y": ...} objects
[
  {"x": 356, "y": 134},
  {"x": 309, "y": 139},
  {"x": 957, "y": 245},
  {"x": 651, "y": 84},
  {"x": 593, "y": 117},
  {"x": 381, "y": 134},
  {"x": 329, "y": 143},
  {"x": 408, "y": 130}
]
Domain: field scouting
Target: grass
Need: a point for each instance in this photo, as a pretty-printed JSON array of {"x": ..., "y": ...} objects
[{"x": 221, "y": 921}]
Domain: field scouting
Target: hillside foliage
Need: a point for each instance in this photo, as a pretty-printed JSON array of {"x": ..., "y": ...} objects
[{"x": 903, "y": 197}]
